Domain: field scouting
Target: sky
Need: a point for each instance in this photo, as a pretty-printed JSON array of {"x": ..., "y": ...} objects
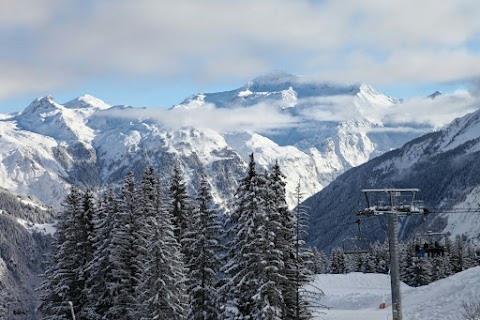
[{"x": 156, "y": 53}]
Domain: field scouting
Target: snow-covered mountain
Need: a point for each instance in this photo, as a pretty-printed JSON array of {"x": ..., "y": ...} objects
[
  {"x": 23, "y": 244},
  {"x": 443, "y": 164},
  {"x": 324, "y": 130},
  {"x": 316, "y": 131}
]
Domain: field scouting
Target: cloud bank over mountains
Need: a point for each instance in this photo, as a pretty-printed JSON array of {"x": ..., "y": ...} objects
[
  {"x": 60, "y": 44},
  {"x": 408, "y": 115}
]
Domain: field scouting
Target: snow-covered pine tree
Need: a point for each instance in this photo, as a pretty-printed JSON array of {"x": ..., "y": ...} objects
[
  {"x": 457, "y": 254},
  {"x": 371, "y": 260},
  {"x": 204, "y": 240},
  {"x": 447, "y": 268},
  {"x": 406, "y": 259},
  {"x": 284, "y": 226},
  {"x": 438, "y": 271},
  {"x": 382, "y": 257},
  {"x": 162, "y": 285},
  {"x": 146, "y": 202},
  {"x": 320, "y": 262},
  {"x": 338, "y": 262},
  {"x": 101, "y": 280},
  {"x": 85, "y": 231},
  {"x": 61, "y": 279},
  {"x": 266, "y": 264},
  {"x": 470, "y": 259},
  {"x": 300, "y": 309},
  {"x": 420, "y": 272},
  {"x": 180, "y": 205},
  {"x": 123, "y": 281},
  {"x": 269, "y": 299},
  {"x": 243, "y": 254}
]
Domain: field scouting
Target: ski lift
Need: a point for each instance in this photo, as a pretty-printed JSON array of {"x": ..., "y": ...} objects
[
  {"x": 430, "y": 244},
  {"x": 356, "y": 245},
  {"x": 400, "y": 201}
]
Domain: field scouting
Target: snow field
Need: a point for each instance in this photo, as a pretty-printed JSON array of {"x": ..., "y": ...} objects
[{"x": 358, "y": 296}]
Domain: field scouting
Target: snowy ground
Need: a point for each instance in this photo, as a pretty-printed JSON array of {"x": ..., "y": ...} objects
[
  {"x": 358, "y": 296},
  {"x": 45, "y": 228}
]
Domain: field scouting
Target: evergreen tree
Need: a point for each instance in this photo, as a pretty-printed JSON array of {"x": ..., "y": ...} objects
[
  {"x": 406, "y": 254},
  {"x": 100, "y": 269},
  {"x": 147, "y": 197},
  {"x": 180, "y": 205},
  {"x": 383, "y": 258},
  {"x": 85, "y": 233},
  {"x": 371, "y": 259},
  {"x": 355, "y": 262},
  {"x": 269, "y": 300},
  {"x": 62, "y": 281},
  {"x": 337, "y": 262},
  {"x": 438, "y": 270},
  {"x": 470, "y": 259},
  {"x": 162, "y": 285},
  {"x": 320, "y": 261},
  {"x": 123, "y": 277},
  {"x": 204, "y": 241},
  {"x": 284, "y": 226},
  {"x": 301, "y": 263},
  {"x": 457, "y": 254},
  {"x": 246, "y": 234},
  {"x": 420, "y": 272}
]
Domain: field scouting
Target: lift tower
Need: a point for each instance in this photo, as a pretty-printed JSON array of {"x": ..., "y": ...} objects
[{"x": 393, "y": 203}]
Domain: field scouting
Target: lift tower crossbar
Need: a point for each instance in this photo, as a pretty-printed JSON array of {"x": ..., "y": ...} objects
[{"x": 393, "y": 203}]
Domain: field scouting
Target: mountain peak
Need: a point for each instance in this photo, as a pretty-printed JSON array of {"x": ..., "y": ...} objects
[
  {"x": 435, "y": 94},
  {"x": 42, "y": 104},
  {"x": 86, "y": 101},
  {"x": 363, "y": 87},
  {"x": 305, "y": 86},
  {"x": 275, "y": 78},
  {"x": 45, "y": 100}
]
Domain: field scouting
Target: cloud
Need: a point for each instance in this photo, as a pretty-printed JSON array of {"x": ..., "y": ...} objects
[
  {"x": 404, "y": 66},
  {"x": 373, "y": 40},
  {"x": 260, "y": 118},
  {"x": 414, "y": 115},
  {"x": 17, "y": 78},
  {"x": 331, "y": 108},
  {"x": 434, "y": 112},
  {"x": 417, "y": 115},
  {"x": 28, "y": 14},
  {"x": 417, "y": 131},
  {"x": 474, "y": 86}
]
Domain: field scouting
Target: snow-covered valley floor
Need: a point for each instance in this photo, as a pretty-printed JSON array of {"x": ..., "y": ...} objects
[{"x": 357, "y": 296}]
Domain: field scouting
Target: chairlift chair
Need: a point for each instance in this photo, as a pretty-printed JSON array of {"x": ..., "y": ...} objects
[
  {"x": 430, "y": 244},
  {"x": 356, "y": 245}
]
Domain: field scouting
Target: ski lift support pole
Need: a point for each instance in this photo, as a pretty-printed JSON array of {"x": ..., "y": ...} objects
[{"x": 393, "y": 210}]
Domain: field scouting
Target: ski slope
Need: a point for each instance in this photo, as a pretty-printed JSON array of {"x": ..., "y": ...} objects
[{"x": 358, "y": 296}]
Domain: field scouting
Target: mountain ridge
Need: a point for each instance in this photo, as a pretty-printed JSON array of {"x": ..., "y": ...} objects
[{"x": 90, "y": 143}]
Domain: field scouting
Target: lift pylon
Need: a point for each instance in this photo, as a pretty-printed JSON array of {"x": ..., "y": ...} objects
[{"x": 393, "y": 203}]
